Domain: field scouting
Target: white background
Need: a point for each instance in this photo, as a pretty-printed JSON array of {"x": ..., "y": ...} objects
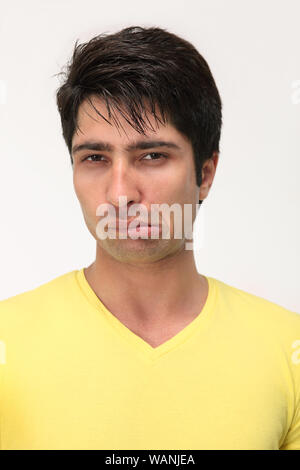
[{"x": 251, "y": 216}]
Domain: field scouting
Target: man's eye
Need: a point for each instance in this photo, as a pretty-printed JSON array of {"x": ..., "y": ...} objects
[
  {"x": 92, "y": 156},
  {"x": 160, "y": 155}
]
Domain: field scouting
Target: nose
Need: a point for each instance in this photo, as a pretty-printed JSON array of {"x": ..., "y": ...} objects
[{"x": 122, "y": 182}]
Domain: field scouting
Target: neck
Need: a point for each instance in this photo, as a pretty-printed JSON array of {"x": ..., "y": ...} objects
[{"x": 171, "y": 286}]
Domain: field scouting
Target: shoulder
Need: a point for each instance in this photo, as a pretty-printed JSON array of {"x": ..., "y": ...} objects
[
  {"x": 257, "y": 310},
  {"x": 267, "y": 329},
  {"x": 21, "y": 306}
]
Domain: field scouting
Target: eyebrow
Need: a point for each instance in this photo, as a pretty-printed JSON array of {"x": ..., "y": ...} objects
[{"x": 140, "y": 145}]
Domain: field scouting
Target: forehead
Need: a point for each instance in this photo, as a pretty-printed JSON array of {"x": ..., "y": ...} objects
[{"x": 94, "y": 121}]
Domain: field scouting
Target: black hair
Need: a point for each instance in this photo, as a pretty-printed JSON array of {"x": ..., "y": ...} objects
[{"x": 125, "y": 68}]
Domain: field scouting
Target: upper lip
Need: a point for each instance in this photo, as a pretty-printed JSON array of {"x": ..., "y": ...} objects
[{"x": 137, "y": 223}]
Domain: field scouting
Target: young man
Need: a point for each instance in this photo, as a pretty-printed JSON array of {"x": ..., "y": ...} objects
[{"x": 139, "y": 350}]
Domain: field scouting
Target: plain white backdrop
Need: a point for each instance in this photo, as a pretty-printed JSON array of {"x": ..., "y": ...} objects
[{"x": 251, "y": 236}]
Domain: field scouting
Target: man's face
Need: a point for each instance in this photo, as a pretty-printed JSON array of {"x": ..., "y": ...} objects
[{"x": 155, "y": 175}]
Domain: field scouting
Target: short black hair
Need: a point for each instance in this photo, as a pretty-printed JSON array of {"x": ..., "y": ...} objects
[{"x": 125, "y": 68}]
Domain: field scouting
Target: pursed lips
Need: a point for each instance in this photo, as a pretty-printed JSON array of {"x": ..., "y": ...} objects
[{"x": 126, "y": 225}]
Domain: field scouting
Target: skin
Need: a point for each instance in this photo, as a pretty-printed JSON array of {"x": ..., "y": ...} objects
[{"x": 152, "y": 286}]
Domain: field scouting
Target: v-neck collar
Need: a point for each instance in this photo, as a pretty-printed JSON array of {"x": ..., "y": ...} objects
[{"x": 136, "y": 341}]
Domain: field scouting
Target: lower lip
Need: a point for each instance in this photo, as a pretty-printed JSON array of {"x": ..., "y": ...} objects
[{"x": 145, "y": 231}]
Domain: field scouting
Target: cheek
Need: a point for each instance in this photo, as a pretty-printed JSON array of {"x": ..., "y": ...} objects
[
  {"x": 85, "y": 193},
  {"x": 78, "y": 184},
  {"x": 167, "y": 183},
  {"x": 178, "y": 188},
  {"x": 188, "y": 186}
]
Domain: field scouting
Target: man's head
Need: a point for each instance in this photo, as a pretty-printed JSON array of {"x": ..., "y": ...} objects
[
  {"x": 154, "y": 86},
  {"x": 138, "y": 63}
]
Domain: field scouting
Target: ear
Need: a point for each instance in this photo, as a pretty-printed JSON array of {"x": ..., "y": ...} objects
[{"x": 208, "y": 173}]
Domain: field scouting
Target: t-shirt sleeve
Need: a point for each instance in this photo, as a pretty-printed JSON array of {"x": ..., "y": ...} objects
[
  {"x": 1, "y": 389},
  {"x": 2, "y": 369},
  {"x": 292, "y": 439}
]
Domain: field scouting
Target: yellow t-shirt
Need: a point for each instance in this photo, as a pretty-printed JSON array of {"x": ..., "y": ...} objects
[{"x": 74, "y": 377}]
